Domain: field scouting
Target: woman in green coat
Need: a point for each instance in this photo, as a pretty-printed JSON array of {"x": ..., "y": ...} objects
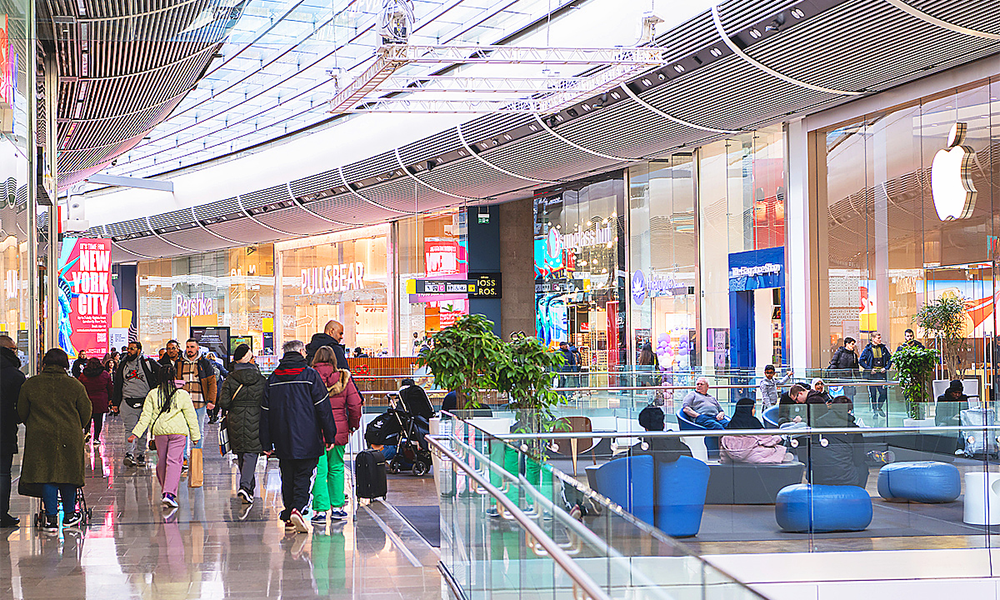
[
  {"x": 54, "y": 408},
  {"x": 240, "y": 397}
]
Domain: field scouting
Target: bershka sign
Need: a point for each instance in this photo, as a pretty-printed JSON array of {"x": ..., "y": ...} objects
[
  {"x": 195, "y": 306},
  {"x": 333, "y": 278}
]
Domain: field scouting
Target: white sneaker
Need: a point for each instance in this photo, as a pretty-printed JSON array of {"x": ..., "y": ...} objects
[{"x": 301, "y": 525}]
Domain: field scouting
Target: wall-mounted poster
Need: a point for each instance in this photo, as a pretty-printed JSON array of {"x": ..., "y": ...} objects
[
  {"x": 213, "y": 339},
  {"x": 86, "y": 298}
]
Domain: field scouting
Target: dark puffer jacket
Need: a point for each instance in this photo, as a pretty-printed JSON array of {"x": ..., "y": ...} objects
[
  {"x": 11, "y": 379},
  {"x": 242, "y": 406},
  {"x": 296, "y": 419}
]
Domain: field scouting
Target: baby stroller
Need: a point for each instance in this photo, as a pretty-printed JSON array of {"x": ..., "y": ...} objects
[
  {"x": 81, "y": 504},
  {"x": 405, "y": 431}
]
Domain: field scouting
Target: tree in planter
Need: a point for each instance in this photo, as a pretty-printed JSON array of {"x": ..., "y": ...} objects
[
  {"x": 528, "y": 376},
  {"x": 914, "y": 367},
  {"x": 463, "y": 358},
  {"x": 944, "y": 319}
]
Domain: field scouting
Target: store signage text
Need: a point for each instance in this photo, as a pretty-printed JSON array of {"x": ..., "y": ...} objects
[
  {"x": 582, "y": 239},
  {"x": 333, "y": 278},
  {"x": 10, "y": 284},
  {"x": 92, "y": 280},
  {"x": 765, "y": 269},
  {"x": 8, "y": 66},
  {"x": 195, "y": 306},
  {"x": 653, "y": 287}
]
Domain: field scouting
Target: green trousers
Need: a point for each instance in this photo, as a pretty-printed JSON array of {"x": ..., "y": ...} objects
[{"x": 328, "y": 488}]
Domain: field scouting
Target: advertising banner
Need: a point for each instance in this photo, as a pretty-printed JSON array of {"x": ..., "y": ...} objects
[{"x": 86, "y": 301}]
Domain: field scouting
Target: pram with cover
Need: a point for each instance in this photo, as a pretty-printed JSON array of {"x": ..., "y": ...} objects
[{"x": 405, "y": 431}]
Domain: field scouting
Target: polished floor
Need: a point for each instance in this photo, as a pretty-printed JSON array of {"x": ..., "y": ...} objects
[{"x": 213, "y": 546}]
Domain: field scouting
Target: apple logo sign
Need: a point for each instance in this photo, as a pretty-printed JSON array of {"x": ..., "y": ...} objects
[{"x": 951, "y": 177}]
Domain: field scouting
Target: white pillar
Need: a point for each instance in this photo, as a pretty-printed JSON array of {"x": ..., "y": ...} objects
[{"x": 799, "y": 276}]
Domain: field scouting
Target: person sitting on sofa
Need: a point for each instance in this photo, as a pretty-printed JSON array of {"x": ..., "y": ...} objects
[
  {"x": 842, "y": 461},
  {"x": 662, "y": 449},
  {"x": 703, "y": 408},
  {"x": 750, "y": 448},
  {"x": 948, "y": 412}
]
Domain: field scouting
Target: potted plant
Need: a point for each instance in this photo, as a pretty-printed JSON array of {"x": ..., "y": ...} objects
[
  {"x": 527, "y": 376},
  {"x": 944, "y": 320},
  {"x": 914, "y": 367},
  {"x": 463, "y": 358}
]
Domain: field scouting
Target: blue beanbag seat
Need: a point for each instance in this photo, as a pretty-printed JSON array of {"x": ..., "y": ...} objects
[
  {"x": 822, "y": 508},
  {"x": 680, "y": 496},
  {"x": 628, "y": 482},
  {"x": 922, "y": 481},
  {"x": 770, "y": 417}
]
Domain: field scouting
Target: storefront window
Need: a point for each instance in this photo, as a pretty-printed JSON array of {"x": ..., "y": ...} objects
[
  {"x": 579, "y": 271},
  {"x": 430, "y": 247},
  {"x": 230, "y": 288},
  {"x": 343, "y": 277},
  {"x": 891, "y": 241},
  {"x": 663, "y": 249},
  {"x": 742, "y": 233}
]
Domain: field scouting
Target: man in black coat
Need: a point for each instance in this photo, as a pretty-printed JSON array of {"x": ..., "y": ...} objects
[
  {"x": 844, "y": 364},
  {"x": 332, "y": 336},
  {"x": 296, "y": 423},
  {"x": 11, "y": 379}
]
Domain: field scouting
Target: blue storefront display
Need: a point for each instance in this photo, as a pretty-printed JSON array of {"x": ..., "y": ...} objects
[{"x": 748, "y": 272}]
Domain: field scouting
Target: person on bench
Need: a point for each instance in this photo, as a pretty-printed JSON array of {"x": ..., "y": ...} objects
[
  {"x": 662, "y": 449},
  {"x": 703, "y": 408},
  {"x": 759, "y": 449}
]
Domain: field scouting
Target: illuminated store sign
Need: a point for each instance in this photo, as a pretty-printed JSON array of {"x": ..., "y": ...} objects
[
  {"x": 196, "y": 306},
  {"x": 653, "y": 287},
  {"x": 951, "y": 177},
  {"x": 8, "y": 66},
  {"x": 582, "y": 239},
  {"x": 333, "y": 278},
  {"x": 757, "y": 269}
]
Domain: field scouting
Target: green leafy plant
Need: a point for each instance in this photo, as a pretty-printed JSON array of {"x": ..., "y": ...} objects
[
  {"x": 914, "y": 367},
  {"x": 463, "y": 358},
  {"x": 944, "y": 320},
  {"x": 527, "y": 377}
]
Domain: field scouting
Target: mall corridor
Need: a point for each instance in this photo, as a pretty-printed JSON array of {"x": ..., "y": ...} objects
[{"x": 212, "y": 547}]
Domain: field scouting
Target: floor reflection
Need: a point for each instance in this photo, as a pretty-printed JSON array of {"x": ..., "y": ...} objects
[{"x": 212, "y": 546}]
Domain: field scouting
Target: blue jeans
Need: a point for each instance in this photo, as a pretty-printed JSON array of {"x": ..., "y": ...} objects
[
  {"x": 710, "y": 422},
  {"x": 50, "y": 498},
  {"x": 200, "y": 414}
]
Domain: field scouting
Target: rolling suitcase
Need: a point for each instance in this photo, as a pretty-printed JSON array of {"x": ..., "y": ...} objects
[
  {"x": 977, "y": 441},
  {"x": 369, "y": 475}
]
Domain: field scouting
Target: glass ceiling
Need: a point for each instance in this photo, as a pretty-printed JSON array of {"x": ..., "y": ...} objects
[{"x": 274, "y": 74}]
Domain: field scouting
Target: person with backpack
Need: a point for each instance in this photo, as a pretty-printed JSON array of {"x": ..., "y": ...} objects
[
  {"x": 345, "y": 400},
  {"x": 169, "y": 414},
  {"x": 240, "y": 399},
  {"x": 135, "y": 376},
  {"x": 100, "y": 389},
  {"x": 296, "y": 424}
]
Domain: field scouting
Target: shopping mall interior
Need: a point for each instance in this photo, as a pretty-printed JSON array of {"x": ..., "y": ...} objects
[{"x": 667, "y": 195}]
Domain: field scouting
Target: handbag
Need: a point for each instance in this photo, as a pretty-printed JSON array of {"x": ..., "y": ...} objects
[
  {"x": 151, "y": 444},
  {"x": 224, "y": 429}
]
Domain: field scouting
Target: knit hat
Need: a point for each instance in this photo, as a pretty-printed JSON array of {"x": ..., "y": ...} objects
[
  {"x": 241, "y": 351},
  {"x": 956, "y": 386}
]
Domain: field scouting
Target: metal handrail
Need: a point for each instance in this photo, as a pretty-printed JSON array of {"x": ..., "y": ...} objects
[
  {"x": 567, "y": 564},
  {"x": 567, "y": 435}
]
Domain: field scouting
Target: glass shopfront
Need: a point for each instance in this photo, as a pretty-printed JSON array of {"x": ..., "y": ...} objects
[
  {"x": 579, "y": 270},
  {"x": 345, "y": 277},
  {"x": 912, "y": 217},
  {"x": 229, "y": 288},
  {"x": 430, "y": 247}
]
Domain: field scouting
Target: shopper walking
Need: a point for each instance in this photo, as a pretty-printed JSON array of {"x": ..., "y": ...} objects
[
  {"x": 876, "y": 360},
  {"x": 221, "y": 373},
  {"x": 345, "y": 400},
  {"x": 135, "y": 377},
  {"x": 199, "y": 382},
  {"x": 297, "y": 425},
  {"x": 170, "y": 416},
  {"x": 100, "y": 388},
  {"x": 11, "y": 379},
  {"x": 240, "y": 400},
  {"x": 54, "y": 408},
  {"x": 332, "y": 336}
]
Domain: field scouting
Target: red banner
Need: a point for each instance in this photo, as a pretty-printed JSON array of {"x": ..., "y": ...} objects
[{"x": 85, "y": 296}]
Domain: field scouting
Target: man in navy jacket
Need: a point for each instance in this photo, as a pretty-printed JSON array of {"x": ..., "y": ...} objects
[{"x": 296, "y": 420}]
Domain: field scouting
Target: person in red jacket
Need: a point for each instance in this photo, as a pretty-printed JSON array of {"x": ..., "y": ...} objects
[
  {"x": 328, "y": 487},
  {"x": 100, "y": 388}
]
